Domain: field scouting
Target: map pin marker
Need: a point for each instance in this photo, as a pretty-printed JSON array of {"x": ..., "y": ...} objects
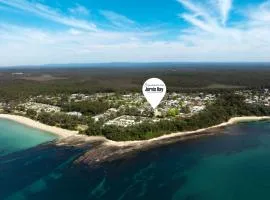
[{"x": 154, "y": 91}]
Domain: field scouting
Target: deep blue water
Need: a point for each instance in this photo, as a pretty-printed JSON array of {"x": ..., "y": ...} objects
[{"x": 231, "y": 165}]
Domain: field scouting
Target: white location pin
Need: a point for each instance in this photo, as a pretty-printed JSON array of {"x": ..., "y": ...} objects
[{"x": 154, "y": 90}]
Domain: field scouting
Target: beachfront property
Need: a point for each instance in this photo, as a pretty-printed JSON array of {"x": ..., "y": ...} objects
[
  {"x": 76, "y": 114},
  {"x": 79, "y": 97},
  {"x": 106, "y": 115},
  {"x": 125, "y": 110},
  {"x": 196, "y": 109},
  {"x": 261, "y": 97},
  {"x": 84, "y": 97},
  {"x": 40, "y": 107},
  {"x": 125, "y": 121},
  {"x": 132, "y": 108}
]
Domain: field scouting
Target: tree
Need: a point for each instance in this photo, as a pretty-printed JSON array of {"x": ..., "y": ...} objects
[
  {"x": 225, "y": 107},
  {"x": 186, "y": 109},
  {"x": 31, "y": 113},
  {"x": 172, "y": 112}
]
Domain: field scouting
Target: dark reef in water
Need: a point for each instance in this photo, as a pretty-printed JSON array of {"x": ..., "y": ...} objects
[
  {"x": 100, "y": 153},
  {"x": 202, "y": 168},
  {"x": 25, "y": 167}
]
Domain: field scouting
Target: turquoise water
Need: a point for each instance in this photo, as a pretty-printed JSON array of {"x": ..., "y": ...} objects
[
  {"x": 15, "y": 137},
  {"x": 233, "y": 165}
]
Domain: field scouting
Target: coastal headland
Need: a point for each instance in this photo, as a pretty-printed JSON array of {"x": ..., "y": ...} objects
[
  {"x": 64, "y": 133},
  {"x": 104, "y": 149}
]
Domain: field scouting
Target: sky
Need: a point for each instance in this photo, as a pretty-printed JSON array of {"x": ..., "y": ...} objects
[{"x": 37, "y": 32}]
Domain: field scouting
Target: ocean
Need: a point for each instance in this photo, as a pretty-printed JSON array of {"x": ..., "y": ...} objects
[
  {"x": 232, "y": 164},
  {"x": 16, "y": 137}
]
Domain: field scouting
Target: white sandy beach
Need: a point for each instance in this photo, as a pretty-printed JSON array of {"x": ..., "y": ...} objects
[{"x": 63, "y": 133}]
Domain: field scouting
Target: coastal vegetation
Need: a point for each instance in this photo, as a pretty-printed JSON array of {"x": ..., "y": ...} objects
[
  {"x": 225, "y": 107},
  {"x": 18, "y": 84},
  {"x": 108, "y": 101},
  {"x": 57, "y": 119},
  {"x": 87, "y": 107}
]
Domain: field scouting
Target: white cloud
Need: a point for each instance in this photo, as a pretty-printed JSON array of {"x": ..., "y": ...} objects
[
  {"x": 225, "y": 7},
  {"x": 245, "y": 41},
  {"x": 208, "y": 38},
  {"x": 32, "y": 46},
  {"x": 50, "y": 14},
  {"x": 28, "y": 45},
  {"x": 79, "y": 10},
  {"x": 199, "y": 16},
  {"x": 262, "y": 14},
  {"x": 206, "y": 26},
  {"x": 117, "y": 19},
  {"x": 207, "y": 15}
]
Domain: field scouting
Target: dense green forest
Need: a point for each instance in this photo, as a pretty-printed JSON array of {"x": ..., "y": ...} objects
[
  {"x": 58, "y": 119},
  {"x": 19, "y": 84},
  {"x": 226, "y": 107},
  {"x": 124, "y": 79},
  {"x": 87, "y": 107}
]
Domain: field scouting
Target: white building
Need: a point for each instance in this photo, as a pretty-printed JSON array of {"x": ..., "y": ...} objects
[
  {"x": 76, "y": 114},
  {"x": 38, "y": 107}
]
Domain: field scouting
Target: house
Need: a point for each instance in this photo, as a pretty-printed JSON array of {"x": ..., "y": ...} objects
[{"x": 76, "y": 114}]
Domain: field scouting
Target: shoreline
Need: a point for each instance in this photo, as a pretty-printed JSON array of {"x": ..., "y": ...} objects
[
  {"x": 61, "y": 133},
  {"x": 64, "y": 133},
  {"x": 111, "y": 150},
  {"x": 176, "y": 135},
  {"x": 103, "y": 149}
]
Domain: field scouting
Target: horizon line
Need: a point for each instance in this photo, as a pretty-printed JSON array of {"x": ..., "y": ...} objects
[{"x": 92, "y": 64}]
